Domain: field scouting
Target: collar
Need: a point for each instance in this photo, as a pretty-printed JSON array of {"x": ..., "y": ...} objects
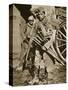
[{"x": 29, "y": 25}]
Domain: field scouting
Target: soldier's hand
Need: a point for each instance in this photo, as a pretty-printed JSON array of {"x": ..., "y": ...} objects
[{"x": 44, "y": 48}]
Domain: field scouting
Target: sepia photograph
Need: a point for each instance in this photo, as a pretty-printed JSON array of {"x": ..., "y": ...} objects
[{"x": 37, "y": 44}]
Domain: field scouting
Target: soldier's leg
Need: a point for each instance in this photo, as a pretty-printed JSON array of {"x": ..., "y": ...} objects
[
  {"x": 37, "y": 61},
  {"x": 45, "y": 67},
  {"x": 30, "y": 61},
  {"x": 36, "y": 70}
]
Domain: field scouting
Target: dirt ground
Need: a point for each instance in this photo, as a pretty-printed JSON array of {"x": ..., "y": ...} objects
[
  {"x": 54, "y": 77},
  {"x": 56, "y": 74}
]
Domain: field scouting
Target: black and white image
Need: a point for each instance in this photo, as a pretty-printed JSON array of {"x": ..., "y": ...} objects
[{"x": 37, "y": 44}]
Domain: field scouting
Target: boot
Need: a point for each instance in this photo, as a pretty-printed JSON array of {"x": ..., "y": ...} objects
[{"x": 35, "y": 80}]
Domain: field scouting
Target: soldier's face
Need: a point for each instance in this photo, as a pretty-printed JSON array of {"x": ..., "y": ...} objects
[{"x": 41, "y": 16}]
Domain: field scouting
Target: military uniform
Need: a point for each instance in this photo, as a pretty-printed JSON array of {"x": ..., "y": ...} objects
[
  {"x": 38, "y": 52},
  {"x": 30, "y": 55},
  {"x": 43, "y": 30}
]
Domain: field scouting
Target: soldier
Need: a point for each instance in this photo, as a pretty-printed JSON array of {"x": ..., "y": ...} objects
[
  {"x": 28, "y": 32},
  {"x": 30, "y": 49},
  {"x": 44, "y": 31}
]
